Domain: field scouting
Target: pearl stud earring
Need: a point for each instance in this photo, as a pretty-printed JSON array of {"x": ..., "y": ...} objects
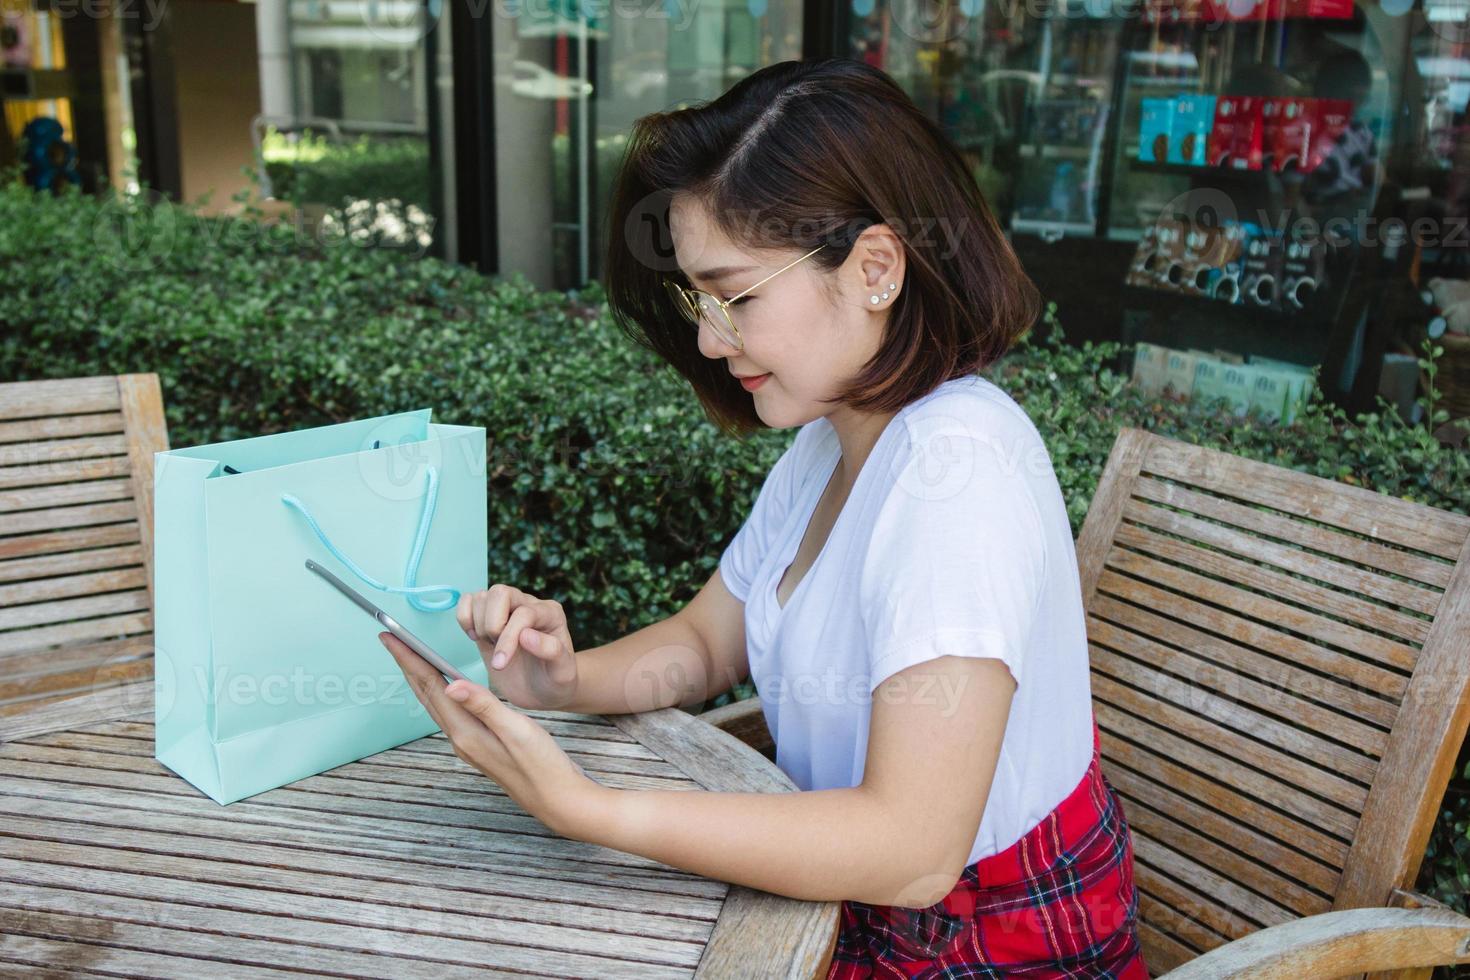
[{"x": 873, "y": 299}]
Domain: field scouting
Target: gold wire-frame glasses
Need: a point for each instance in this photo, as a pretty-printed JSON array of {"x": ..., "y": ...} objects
[{"x": 692, "y": 302}]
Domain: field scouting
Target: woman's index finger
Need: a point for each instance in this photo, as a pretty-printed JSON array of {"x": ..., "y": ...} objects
[
  {"x": 497, "y": 604},
  {"x": 464, "y": 612}
]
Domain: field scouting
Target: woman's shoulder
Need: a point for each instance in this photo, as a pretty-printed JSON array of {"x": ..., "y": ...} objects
[{"x": 972, "y": 405}]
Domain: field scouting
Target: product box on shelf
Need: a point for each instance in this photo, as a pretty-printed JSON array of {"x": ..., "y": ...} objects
[
  {"x": 1260, "y": 280},
  {"x": 1303, "y": 269},
  {"x": 1158, "y": 251},
  {"x": 1219, "y": 256},
  {"x": 1175, "y": 11},
  {"x": 1265, "y": 9},
  {"x": 1220, "y": 379},
  {"x": 1148, "y": 368},
  {"x": 1300, "y": 132},
  {"x": 1331, "y": 117},
  {"x": 1269, "y": 391},
  {"x": 1153, "y": 131},
  {"x": 1290, "y": 138},
  {"x": 1234, "y": 238},
  {"x": 1276, "y": 389},
  {"x": 1236, "y": 138},
  {"x": 1208, "y": 381},
  {"x": 1197, "y": 268},
  {"x": 1318, "y": 9},
  {"x": 1140, "y": 270},
  {"x": 1179, "y": 371},
  {"x": 1300, "y": 378},
  {"x": 1172, "y": 249},
  {"x": 1223, "y": 356},
  {"x": 1189, "y": 129},
  {"x": 1286, "y": 132}
]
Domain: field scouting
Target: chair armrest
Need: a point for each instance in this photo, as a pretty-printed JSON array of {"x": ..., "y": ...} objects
[
  {"x": 1335, "y": 944},
  {"x": 1403, "y": 898},
  {"x": 745, "y": 720}
]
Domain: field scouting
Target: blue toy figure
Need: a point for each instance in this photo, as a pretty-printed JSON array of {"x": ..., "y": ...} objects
[{"x": 50, "y": 160}]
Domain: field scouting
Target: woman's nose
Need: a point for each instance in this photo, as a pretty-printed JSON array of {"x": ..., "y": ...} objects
[{"x": 712, "y": 345}]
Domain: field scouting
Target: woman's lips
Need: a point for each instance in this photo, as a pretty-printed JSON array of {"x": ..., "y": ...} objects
[{"x": 751, "y": 384}]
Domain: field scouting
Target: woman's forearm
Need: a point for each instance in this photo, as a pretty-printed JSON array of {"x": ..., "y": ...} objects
[
  {"x": 662, "y": 665},
  {"x": 820, "y": 845}
]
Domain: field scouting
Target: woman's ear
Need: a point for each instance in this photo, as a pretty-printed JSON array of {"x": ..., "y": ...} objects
[{"x": 878, "y": 261}]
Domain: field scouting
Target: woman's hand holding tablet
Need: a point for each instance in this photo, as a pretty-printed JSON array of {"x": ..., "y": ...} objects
[{"x": 510, "y": 747}]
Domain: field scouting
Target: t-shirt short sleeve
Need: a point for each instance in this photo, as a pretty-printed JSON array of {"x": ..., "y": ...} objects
[
  {"x": 957, "y": 558},
  {"x": 743, "y": 555}
]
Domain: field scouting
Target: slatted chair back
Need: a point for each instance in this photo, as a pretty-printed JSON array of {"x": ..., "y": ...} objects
[
  {"x": 76, "y": 535},
  {"x": 1281, "y": 676}
]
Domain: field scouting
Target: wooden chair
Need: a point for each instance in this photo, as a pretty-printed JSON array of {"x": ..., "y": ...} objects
[
  {"x": 76, "y": 535},
  {"x": 1281, "y": 675}
]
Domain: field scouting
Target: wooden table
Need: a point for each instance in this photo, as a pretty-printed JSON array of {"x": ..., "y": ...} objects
[{"x": 406, "y": 863}]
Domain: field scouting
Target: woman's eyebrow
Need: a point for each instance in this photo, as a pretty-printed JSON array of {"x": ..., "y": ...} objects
[{"x": 720, "y": 272}]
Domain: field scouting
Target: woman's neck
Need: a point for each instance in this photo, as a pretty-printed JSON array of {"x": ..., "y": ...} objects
[{"x": 857, "y": 434}]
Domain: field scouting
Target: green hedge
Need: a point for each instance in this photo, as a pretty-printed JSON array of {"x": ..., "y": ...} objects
[
  {"x": 311, "y": 167},
  {"x": 609, "y": 491}
]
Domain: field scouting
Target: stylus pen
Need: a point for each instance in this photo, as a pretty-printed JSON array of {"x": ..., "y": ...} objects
[{"x": 392, "y": 625}]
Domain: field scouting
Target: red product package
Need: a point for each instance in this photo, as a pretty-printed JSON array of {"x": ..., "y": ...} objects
[
  {"x": 1289, "y": 123},
  {"x": 1277, "y": 9},
  {"x": 1330, "y": 120},
  {"x": 1174, "y": 11},
  {"x": 1319, "y": 9},
  {"x": 1238, "y": 134}
]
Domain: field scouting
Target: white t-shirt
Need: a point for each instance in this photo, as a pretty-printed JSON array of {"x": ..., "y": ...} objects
[{"x": 953, "y": 541}]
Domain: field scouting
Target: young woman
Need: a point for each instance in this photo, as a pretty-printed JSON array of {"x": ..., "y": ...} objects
[{"x": 810, "y": 252}]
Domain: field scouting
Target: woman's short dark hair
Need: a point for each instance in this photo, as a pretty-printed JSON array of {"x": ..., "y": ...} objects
[{"x": 804, "y": 153}]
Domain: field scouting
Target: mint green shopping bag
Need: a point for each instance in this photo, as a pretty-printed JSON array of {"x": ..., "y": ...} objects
[{"x": 264, "y": 673}]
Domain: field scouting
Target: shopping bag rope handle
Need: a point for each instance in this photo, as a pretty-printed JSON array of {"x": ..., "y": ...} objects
[{"x": 410, "y": 573}]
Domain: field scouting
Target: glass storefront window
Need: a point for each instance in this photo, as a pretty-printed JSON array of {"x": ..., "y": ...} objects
[
  {"x": 1234, "y": 180},
  {"x": 569, "y": 87},
  {"x": 352, "y": 141},
  {"x": 1025, "y": 98}
]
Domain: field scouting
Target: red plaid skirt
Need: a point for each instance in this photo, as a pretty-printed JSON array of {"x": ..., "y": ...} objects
[{"x": 1060, "y": 902}]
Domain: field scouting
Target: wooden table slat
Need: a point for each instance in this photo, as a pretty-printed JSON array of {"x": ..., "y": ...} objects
[
  {"x": 445, "y": 761},
  {"x": 569, "y": 894},
  {"x": 87, "y": 804},
  {"x": 351, "y": 901},
  {"x": 464, "y": 827},
  {"x": 455, "y": 784},
  {"x": 608, "y": 737},
  {"x": 132, "y": 765},
  {"x": 17, "y": 948},
  {"x": 204, "y": 933},
  {"x": 401, "y": 950}
]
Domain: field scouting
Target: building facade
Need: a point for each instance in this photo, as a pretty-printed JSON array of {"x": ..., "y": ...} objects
[{"x": 1270, "y": 180}]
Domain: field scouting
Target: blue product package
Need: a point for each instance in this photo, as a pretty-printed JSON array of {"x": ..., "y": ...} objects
[
  {"x": 1189, "y": 129},
  {"x": 1153, "y": 131}
]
